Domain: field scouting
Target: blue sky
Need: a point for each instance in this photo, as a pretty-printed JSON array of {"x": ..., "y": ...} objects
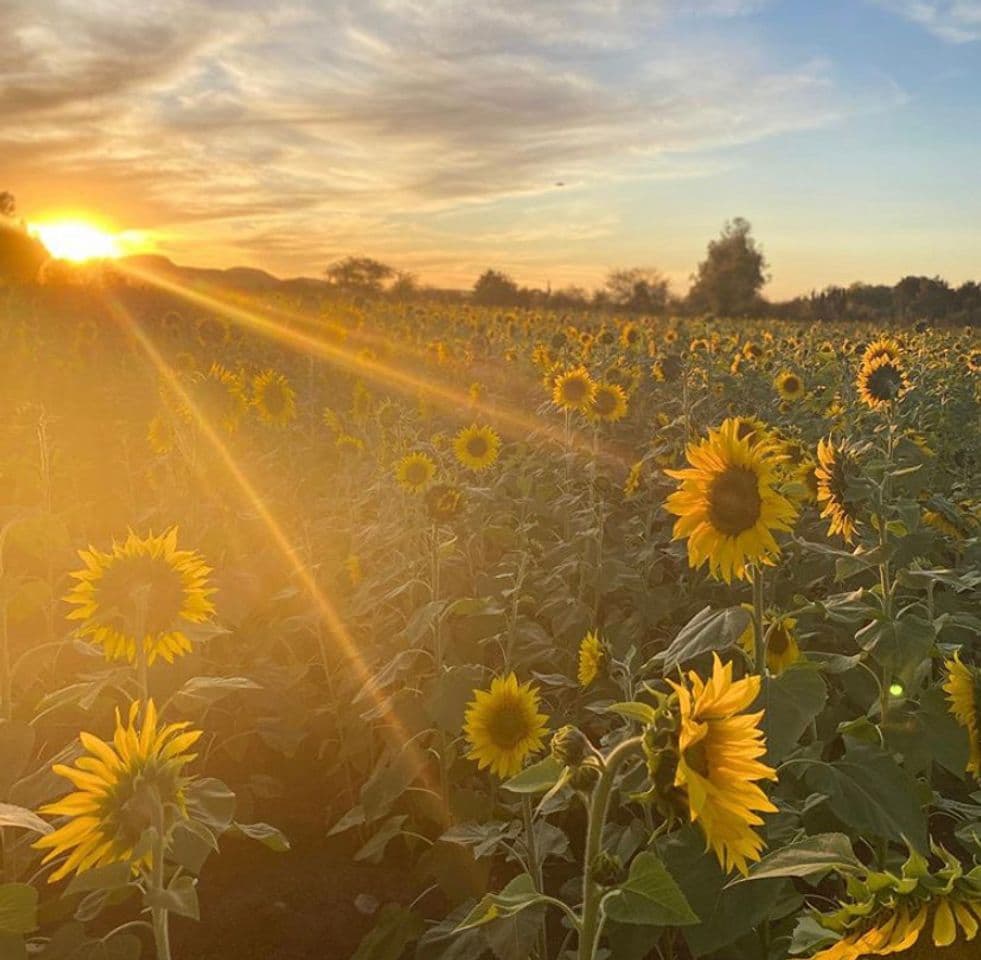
[{"x": 432, "y": 133}]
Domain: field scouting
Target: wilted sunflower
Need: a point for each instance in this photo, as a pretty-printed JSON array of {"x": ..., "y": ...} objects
[
  {"x": 476, "y": 448},
  {"x": 963, "y": 689},
  {"x": 727, "y": 505},
  {"x": 144, "y": 581},
  {"x": 789, "y": 386},
  {"x": 273, "y": 398},
  {"x": 591, "y": 657},
  {"x": 122, "y": 789},
  {"x": 503, "y": 726},
  {"x": 414, "y": 471},
  {"x": 609, "y": 403},
  {"x": 574, "y": 390},
  {"x": 781, "y": 645},
  {"x": 836, "y": 467},
  {"x": 880, "y": 381},
  {"x": 719, "y": 750},
  {"x": 443, "y": 502}
]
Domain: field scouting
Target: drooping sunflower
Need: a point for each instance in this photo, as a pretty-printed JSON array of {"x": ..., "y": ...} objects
[
  {"x": 727, "y": 506},
  {"x": 477, "y": 448},
  {"x": 836, "y": 468},
  {"x": 789, "y": 386},
  {"x": 123, "y": 788},
  {"x": 273, "y": 398},
  {"x": 144, "y": 582},
  {"x": 503, "y": 726},
  {"x": 573, "y": 390},
  {"x": 880, "y": 381},
  {"x": 591, "y": 656},
  {"x": 443, "y": 502},
  {"x": 414, "y": 472},
  {"x": 719, "y": 750},
  {"x": 609, "y": 403},
  {"x": 781, "y": 643},
  {"x": 963, "y": 689},
  {"x": 634, "y": 479}
]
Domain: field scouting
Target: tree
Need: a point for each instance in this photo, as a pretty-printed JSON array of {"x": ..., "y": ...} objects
[
  {"x": 405, "y": 286},
  {"x": 21, "y": 255},
  {"x": 731, "y": 276},
  {"x": 496, "y": 289},
  {"x": 362, "y": 275},
  {"x": 7, "y": 203},
  {"x": 638, "y": 290}
]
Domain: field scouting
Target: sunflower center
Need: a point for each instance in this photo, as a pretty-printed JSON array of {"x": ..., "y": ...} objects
[
  {"x": 415, "y": 473},
  {"x": 574, "y": 390},
  {"x": 477, "y": 446},
  {"x": 508, "y": 725},
  {"x": 274, "y": 399},
  {"x": 779, "y": 640},
  {"x": 734, "y": 501},
  {"x": 605, "y": 402},
  {"x": 885, "y": 382},
  {"x": 127, "y": 579},
  {"x": 791, "y": 384}
]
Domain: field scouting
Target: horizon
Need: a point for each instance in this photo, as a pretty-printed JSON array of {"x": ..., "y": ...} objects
[{"x": 554, "y": 143}]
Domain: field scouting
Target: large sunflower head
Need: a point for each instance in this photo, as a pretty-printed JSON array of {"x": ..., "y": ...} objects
[
  {"x": 882, "y": 347},
  {"x": 789, "y": 386},
  {"x": 719, "y": 751},
  {"x": 963, "y": 689},
  {"x": 414, "y": 472},
  {"x": 727, "y": 506},
  {"x": 144, "y": 585},
  {"x": 477, "y": 448},
  {"x": 609, "y": 403},
  {"x": 591, "y": 656},
  {"x": 573, "y": 390},
  {"x": 503, "y": 726},
  {"x": 880, "y": 381},
  {"x": 836, "y": 468},
  {"x": 273, "y": 398},
  {"x": 122, "y": 788}
]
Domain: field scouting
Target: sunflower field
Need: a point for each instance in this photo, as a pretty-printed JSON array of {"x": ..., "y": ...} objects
[{"x": 383, "y": 631}]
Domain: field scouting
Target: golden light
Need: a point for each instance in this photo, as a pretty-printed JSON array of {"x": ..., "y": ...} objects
[{"x": 77, "y": 241}]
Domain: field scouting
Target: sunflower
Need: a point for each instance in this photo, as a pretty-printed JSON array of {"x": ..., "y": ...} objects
[
  {"x": 836, "y": 467},
  {"x": 789, "y": 386},
  {"x": 352, "y": 567},
  {"x": 781, "y": 644},
  {"x": 973, "y": 360},
  {"x": 880, "y": 381},
  {"x": 414, "y": 471},
  {"x": 719, "y": 747},
  {"x": 123, "y": 788},
  {"x": 727, "y": 506},
  {"x": 591, "y": 656},
  {"x": 345, "y": 443},
  {"x": 160, "y": 435},
  {"x": 963, "y": 689},
  {"x": 503, "y": 726},
  {"x": 142, "y": 583},
  {"x": 609, "y": 403},
  {"x": 634, "y": 479},
  {"x": 573, "y": 390},
  {"x": 443, "y": 502},
  {"x": 883, "y": 347},
  {"x": 273, "y": 398},
  {"x": 630, "y": 335},
  {"x": 476, "y": 448}
]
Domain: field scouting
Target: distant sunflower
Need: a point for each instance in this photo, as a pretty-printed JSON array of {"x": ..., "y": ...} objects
[
  {"x": 781, "y": 646},
  {"x": 719, "y": 747},
  {"x": 477, "y": 448},
  {"x": 443, "y": 502},
  {"x": 609, "y": 403},
  {"x": 836, "y": 467},
  {"x": 630, "y": 335},
  {"x": 973, "y": 360},
  {"x": 573, "y": 390},
  {"x": 634, "y": 479},
  {"x": 963, "y": 689},
  {"x": 142, "y": 580},
  {"x": 119, "y": 787},
  {"x": 414, "y": 471},
  {"x": 503, "y": 726},
  {"x": 880, "y": 381},
  {"x": 160, "y": 435},
  {"x": 345, "y": 443},
  {"x": 591, "y": 657},
  {"x": 727, "y": 505},
  {"x": 789, "y": 386},
  {"x": 273, "y": 398},
  {"x": 883, "y": 347}
]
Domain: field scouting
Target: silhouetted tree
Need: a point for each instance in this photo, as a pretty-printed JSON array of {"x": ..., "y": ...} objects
[
  {"x": 496, "y": 289},
  {"x": 361, "y": 275},
  {"x": 637, "y": 290},
  {"x": 405, "y": 286},
  {"x": 21, "y": 255},
  {"x": 731, "y": 276},
  {"x": 7, "y": 203}
]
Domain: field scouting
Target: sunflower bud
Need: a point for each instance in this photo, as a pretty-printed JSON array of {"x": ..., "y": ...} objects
[
  {"x": 607, "y": 869},
  {"x": 570, "y": 746},
  {"x": 584, "y": 777}
]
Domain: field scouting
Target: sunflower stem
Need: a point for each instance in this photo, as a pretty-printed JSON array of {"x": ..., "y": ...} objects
[
  {"x": 534, "y": 867},
  {"x": 159, "y": 915},
  {"x": 6, "y": 674},
  {"x": 592, "y": 893},
  {"x": 141, "y": 598}
]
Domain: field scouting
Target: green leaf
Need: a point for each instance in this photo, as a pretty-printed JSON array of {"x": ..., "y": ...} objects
[
  {"x": 14, "y": 816},
  {"x": 180, "y": 898},
  {"x": 538, "y": 778},
  {"x": 110, "y": 877},
  {"x": 708, "y": 630},
  {"x": 268, "y": 835},
  {"x": 211, "y": 802},
  {"x": 519, "y": 894},
  {"x": 642, "y": 713},
  {"x": 484, "y": 838},
  {"x": 393, "y": 931},
  {"x": 869, "y": 792},
  {"x": 18, "y": 908},
  {"x": 449, "y": 694},
  {"x": 374, "y": 849},
  {"x": 901, "y": 645},
  {"x": 204, "y": 691},
  {"x": 812, "y": 856},
  {"x": 792, "y": 701},
  {"x": 649, "y": 896}
]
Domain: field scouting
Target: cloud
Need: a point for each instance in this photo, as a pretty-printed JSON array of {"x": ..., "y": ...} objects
[
  {"x": 289, "y": 129},
  {"x": 957, "y": 21}
]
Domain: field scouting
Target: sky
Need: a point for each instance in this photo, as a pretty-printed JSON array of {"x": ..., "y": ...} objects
[{"x": 553, "y": 139}]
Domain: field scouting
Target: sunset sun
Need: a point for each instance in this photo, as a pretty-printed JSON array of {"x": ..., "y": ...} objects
[{"x": 77, "y": 241}]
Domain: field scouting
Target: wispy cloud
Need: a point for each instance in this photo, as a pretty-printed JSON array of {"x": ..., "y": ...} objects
[{"x": 957, "y": 21}]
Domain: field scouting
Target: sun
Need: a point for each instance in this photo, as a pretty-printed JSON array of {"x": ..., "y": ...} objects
[{"x": 76, "y": 240}]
